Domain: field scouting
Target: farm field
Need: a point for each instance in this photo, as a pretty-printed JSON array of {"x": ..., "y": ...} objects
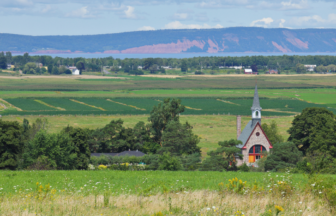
[
  {"x": 186, "y": 82},
  {"x": 140, "y": 106},
  {"x": 151, "y": 193},
  {"x": 317, "y": 95},
  {"x": 211, "y": 129}
]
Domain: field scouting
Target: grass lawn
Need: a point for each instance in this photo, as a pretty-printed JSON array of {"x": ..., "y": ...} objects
[
  {"x": 121, "y": 182},
  {"x": 211, "y": 129}
]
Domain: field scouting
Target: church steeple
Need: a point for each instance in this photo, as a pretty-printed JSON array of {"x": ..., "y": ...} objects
[{"x": 256, "y": 109}]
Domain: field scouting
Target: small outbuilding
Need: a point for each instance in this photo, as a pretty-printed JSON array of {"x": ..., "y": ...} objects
[
  {"x": 249, "y": 71},
  {"x": 74, "y": 70}
]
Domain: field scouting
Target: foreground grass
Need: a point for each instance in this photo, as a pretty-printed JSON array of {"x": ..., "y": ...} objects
[
  {"x": 201, "y": 202},
  {"x": 131, "y": 182},
  {"x": 150, "y": 192},
  {"x": 211, "y": 129}
]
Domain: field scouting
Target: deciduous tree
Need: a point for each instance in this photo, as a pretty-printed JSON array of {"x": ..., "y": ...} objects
[
  {"x": 283, "y": 155},
  {"x": 11, "y": 144},
  {"x": 162, "y": 114},
  {"x": 272, "y": 132},
  {"x": 314, "y": 130}
]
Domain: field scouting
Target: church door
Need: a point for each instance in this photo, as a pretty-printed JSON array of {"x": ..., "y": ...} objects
[{"x": 255, "y": 153}]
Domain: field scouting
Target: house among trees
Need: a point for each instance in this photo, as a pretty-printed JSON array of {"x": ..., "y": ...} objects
[
  {"x": 74, "y": 70},
  {"x": 249, "y": 71},
  {"x": 271, "y": 71},
  {"x": 253, "y": 138}
]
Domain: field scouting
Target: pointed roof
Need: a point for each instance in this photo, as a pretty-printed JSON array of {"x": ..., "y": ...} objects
[
  {"x": 247, "y": 133},
  {"x": 256, "y": 103}
]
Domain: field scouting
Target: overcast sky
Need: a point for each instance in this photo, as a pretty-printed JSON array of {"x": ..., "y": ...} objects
[{"x": 79, "y": 17}]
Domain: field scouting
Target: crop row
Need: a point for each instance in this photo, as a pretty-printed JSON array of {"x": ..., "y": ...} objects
[{"x": 194, "y": 106}]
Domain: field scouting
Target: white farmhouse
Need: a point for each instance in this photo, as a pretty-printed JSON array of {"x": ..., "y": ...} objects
[
  {"x": 310, "y": 67},
  {"x": 74, "y": 70}
]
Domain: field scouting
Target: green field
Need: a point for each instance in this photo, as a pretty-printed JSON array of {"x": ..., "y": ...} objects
[
  {"x": 121, "y": 182},
  {"x": 140, "y": 106},
  {"x": 184, "y": 82}
]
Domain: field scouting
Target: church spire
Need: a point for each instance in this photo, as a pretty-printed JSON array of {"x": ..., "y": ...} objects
[
  {"x": 256, "y": 103},
  {"x": 256, "y": 114}
]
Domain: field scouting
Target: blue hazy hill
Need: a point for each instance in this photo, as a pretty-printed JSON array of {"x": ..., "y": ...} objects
[{"x": 238, "y": 39}]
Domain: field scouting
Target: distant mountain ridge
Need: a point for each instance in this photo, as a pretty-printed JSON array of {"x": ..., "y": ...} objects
[{"x": 237, "y": 39}]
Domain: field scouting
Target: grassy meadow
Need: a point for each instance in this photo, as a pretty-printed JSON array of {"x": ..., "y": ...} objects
[{"x": 108, "y": 192}]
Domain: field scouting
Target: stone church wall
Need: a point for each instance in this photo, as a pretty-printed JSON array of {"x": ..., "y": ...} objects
[{"x": 254, "y": 140}]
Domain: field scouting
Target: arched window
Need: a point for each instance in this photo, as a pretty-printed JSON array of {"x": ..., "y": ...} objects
[
  {"x": 257, "y": 113},
  {"x": 257, "y": 149},
  {"x": 255, "y": 153}
]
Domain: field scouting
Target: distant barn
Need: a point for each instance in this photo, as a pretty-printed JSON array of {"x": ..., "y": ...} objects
[{"x": 249, "y": 71}]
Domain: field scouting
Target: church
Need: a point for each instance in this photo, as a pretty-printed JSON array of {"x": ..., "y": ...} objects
[{"x": 254, "y": 139}]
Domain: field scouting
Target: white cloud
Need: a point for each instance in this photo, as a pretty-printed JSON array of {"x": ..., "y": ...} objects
[
  {"x": 222, "y": 3},
  {"x": 282, "y": 21},
  {"x": 292, "y": 5},
  {"x": 314, "y": 21},
  {"x": 265, "y": 22},
  {"x": 129, "y": 13},
  {"x": 300, "y": 21},
  {"x": 179, "y": 25},
  {"x": 146, "y": 28},
  {"x": 82, "y": 12}
]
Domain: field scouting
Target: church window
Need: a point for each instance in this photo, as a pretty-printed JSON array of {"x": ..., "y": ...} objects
[
  {"x": 255, "y": 153},
  {"x": 258, "y": 134},
  {"x": 257, "y": 149},
  {"x": 257, "y": 113}
]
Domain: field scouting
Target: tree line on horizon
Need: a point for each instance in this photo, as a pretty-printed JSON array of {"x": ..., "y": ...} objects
[{"x": 57, "y": 65}]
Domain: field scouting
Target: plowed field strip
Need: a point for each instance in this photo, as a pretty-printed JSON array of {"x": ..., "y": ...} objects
[
  {"x": 279, "y": 111},
  {"x": 125, "y": 104},
  {"x": 76, "y": 101},
  {"x": 192, "y": 108},
  {"x": 48, "y": 105},
  {"x": 229, "y": 102},
  {"x": 9, "y": 105}
]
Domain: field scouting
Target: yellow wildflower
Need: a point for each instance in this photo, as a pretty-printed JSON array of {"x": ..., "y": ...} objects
[{"x": 279, "y": 208}]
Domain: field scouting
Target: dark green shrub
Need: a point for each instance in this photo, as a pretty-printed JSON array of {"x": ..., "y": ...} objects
[
  {"x": 244, "y": 168},
  {"x": 168, "y": 162}
]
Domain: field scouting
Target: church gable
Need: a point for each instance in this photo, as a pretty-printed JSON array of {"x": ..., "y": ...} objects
[{"x": 259, "y": 137}]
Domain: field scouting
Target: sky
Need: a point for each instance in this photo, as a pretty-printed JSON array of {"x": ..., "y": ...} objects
[{"x": 83, "y": 17}]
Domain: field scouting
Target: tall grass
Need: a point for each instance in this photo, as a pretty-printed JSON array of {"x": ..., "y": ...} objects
[{"x": 108, "y": 192}]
